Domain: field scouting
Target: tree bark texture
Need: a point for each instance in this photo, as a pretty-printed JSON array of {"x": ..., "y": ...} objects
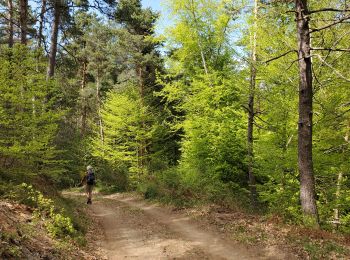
[
  {"x": 305, "y": 162},
  {"x": 23, "y": 20},
  {"x": 10, "y": 22},
  {"x": 252, "y": 84},
  {"x": 54, "y": 39}
]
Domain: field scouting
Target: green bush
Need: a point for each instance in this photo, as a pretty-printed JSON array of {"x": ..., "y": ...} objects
[
  {"x": 57, "y": 224},
  {"x": 151, "y": 191},
  {"x": 188, "y": 187}
]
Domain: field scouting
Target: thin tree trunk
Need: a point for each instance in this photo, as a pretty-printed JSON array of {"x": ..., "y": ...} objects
[
  {"x": 10, "y": 21},
  {"x": 305, "y": 163},
  {"x": 336, "y": 221},
  {"x": 54, "y": 39},
  {"x": 142, "y": 149},
  {"x": 251, "y": 177},
  {"x": 84, "y": 109},
  {"x": 41, "y": 23},
  {"x": 23, "y": 19},
  {"x": 100, "y": 122},
  {"x": 200, "y": 45}
]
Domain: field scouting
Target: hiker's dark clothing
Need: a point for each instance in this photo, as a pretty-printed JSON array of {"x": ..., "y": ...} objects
[{"x": 88, "y": 188}]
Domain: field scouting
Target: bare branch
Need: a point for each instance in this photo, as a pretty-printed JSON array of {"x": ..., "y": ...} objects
[
  {"x": 69, "y": 53},
  {"x": 270, "y": 127},
  {"x": 294, "y": 61},
  {"x": 7, "y": 19},
  {"x": 329, "y": 10},
  {"x": 280, "y": 56},
  {"x": 334, "y": 70},
  {"x": 332, "y": 24},
  {"x": 246, "y": 108},
  {"x": 329, "y": 49}
]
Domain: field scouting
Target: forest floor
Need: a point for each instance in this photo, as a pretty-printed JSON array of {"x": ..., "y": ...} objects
[{"x": 126, "y": 226}]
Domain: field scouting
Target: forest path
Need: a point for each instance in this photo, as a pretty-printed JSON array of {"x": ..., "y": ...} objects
[{"x": 134, "y": 228}]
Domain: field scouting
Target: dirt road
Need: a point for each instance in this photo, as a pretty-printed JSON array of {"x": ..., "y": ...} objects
[{"x": 133, "y": 228}]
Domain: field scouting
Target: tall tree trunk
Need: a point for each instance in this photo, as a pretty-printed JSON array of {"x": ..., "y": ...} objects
[
  {"x": 41, "y": 23},
  {"x": 142, "y": 148},
  {"x": 54, "y": 39},
  {"x": 83, "y": 107},
  {"x": 23, "y": 20},
  {"x": 252, "y": 83},
  {"x": 305, "y": 163},
  {"x": 10, "y": 21},
  {"x": 100, "y": 122}
]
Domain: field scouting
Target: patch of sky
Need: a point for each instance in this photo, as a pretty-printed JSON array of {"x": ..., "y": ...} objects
[{"x": 165, "y": 19}]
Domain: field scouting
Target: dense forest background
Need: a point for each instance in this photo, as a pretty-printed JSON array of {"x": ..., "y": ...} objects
[{"x": 242, "y": 103}]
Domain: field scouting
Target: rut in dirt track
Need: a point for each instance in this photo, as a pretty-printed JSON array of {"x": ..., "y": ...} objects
[{"x": 136, "y": 229}]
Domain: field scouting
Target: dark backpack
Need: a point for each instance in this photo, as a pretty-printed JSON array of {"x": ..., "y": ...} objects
[{"x": 90, "y": 179}]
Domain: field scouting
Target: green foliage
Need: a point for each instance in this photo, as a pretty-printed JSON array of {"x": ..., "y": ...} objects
[
  {"x": 136, "y": 140},
  {"x": 59, "y": 225},
  {"x": 56, "y": 223},
  {"x": 28, "y": 115},
  {"x": 200, "y": 86},
  {"x": 201, "y": 33},
  {"x": 123, "y": 131},
  {"x": 136, "y": 19},
  {"x": 187, "y": 188}
]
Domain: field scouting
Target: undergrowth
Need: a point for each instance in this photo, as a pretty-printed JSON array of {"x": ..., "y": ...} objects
[
  {"x": 60, "y": 216},
  {"x": 189, "y": 188}
]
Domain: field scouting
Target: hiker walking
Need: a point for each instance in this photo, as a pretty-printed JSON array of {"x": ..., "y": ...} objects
[{"x": 89, "y": 181}]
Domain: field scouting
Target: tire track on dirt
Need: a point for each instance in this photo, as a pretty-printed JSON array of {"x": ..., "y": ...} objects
[{"x": 137, "y": 229}]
